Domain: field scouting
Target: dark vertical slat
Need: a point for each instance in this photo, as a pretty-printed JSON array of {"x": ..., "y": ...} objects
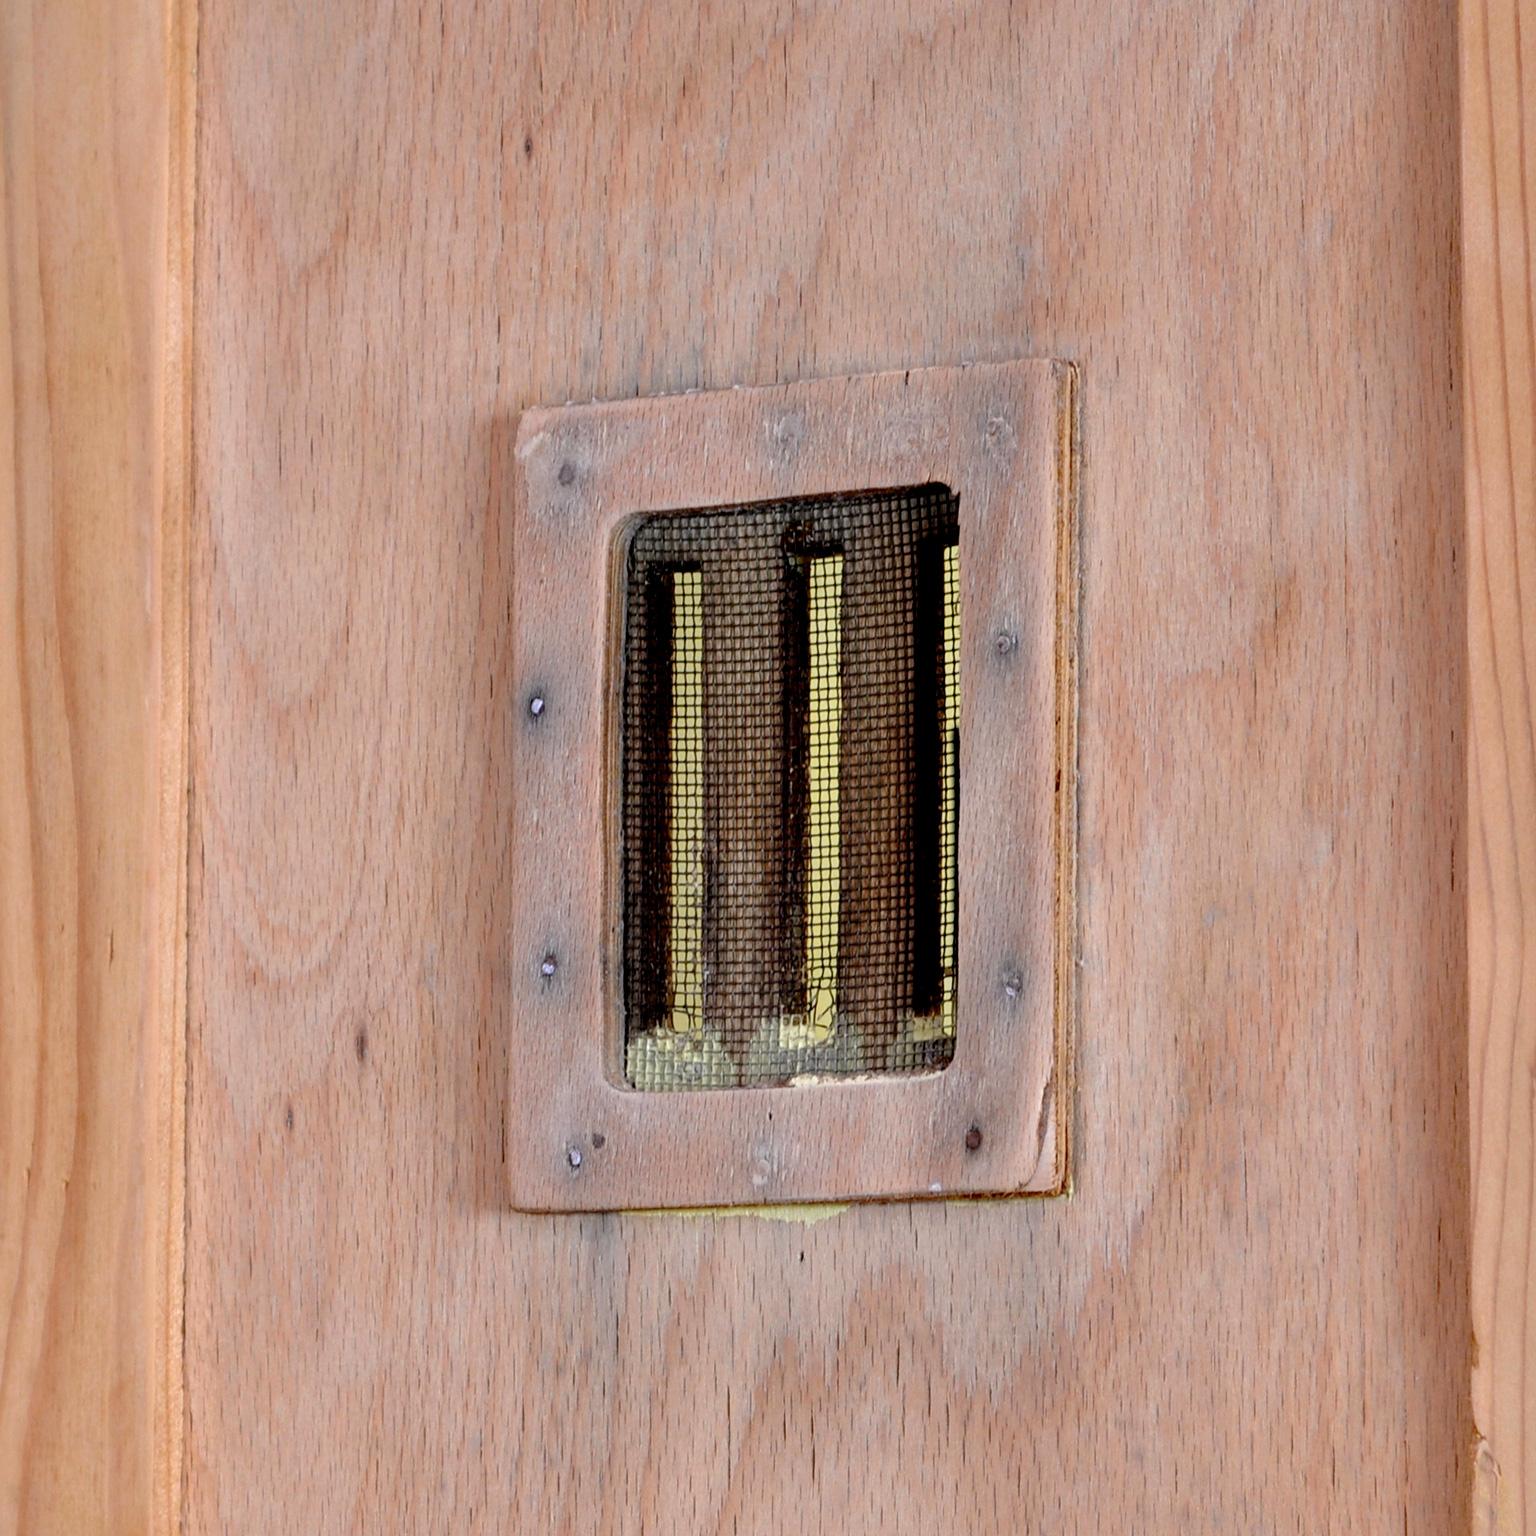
[
  {"x": 743, "y": 788},
  {"x": 795, "y": 792},
  {"x": 928, "y": 761},
  {"x": 875, "y": 931},
  {"x": 647, "y": 784}
]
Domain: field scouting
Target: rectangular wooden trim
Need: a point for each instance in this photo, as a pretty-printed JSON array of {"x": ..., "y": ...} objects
[
  {"x": 96, "y": 152},
  {"x": 1001, "y": 437}
]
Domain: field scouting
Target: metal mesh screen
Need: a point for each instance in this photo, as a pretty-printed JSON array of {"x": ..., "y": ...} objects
[{"x": 789, "y": 748}]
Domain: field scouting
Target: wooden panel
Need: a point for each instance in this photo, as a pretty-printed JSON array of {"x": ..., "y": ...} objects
[
  {"x": 1000, "y": 439},
  {"x": 1241, "y": 221},
  {"x": 1499, "y": 221},
  {"x": 95, "y": 137}
]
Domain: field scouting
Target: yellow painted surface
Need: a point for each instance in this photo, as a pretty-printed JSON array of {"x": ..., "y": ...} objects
[{"x": 687, "y": 809}]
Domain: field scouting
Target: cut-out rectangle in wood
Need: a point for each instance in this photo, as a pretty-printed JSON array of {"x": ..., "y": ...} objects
[
  {"x": 783, "y": 911},
  {"x": 583, "y": 1134}
]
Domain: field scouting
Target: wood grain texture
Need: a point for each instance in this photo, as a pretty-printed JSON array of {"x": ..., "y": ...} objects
[
  {"x": 1498, "y": 78},
  {"x": 1000, "y": 439},
  {"x": 1240, "y": 220},
  {"x": 95, "y": 138}
]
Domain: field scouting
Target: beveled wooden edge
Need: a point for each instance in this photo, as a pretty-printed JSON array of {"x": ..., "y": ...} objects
[
  {"x": 1002, "y": 437},
  {"x": 1499, "y": 427}
]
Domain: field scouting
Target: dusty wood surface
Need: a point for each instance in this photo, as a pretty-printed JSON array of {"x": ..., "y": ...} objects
[
  {"x": 1499, "y": 223},
  {"x": 1241, "y": 221},
  {"x": 1000, "y": 438},
  {"x": 95, "y": 123}
]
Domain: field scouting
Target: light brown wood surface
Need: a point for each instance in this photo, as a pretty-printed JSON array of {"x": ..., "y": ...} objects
[
  {"x": 95, "y": 125},
  {"x": 1001, "y": 439},
  {"x": 1498, "y": 80},
  {"x": 1241, "y": 222}
]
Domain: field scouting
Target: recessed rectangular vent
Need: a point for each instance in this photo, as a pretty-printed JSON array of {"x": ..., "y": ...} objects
[
  {"x": 749, "y": 848},
  {"x": 789, "y": 748}
]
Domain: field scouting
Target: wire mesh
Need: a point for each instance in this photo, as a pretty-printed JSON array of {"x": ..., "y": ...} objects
[{"x": 789, "y": 762}]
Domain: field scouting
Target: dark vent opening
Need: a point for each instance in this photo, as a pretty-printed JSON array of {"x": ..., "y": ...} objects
[{"x": 789, "y": 790}]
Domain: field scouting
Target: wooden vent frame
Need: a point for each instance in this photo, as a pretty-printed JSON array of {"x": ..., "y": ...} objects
[{"x": 994, "y": 1122}]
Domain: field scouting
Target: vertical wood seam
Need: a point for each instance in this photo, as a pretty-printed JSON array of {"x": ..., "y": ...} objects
[{"x": 169, "y": 1001}]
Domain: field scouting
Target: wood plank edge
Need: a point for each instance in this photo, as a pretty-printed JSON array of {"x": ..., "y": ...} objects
[
  {"x": 1502, "y": 1470},
  {"x": 166, "y": 1004}
]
